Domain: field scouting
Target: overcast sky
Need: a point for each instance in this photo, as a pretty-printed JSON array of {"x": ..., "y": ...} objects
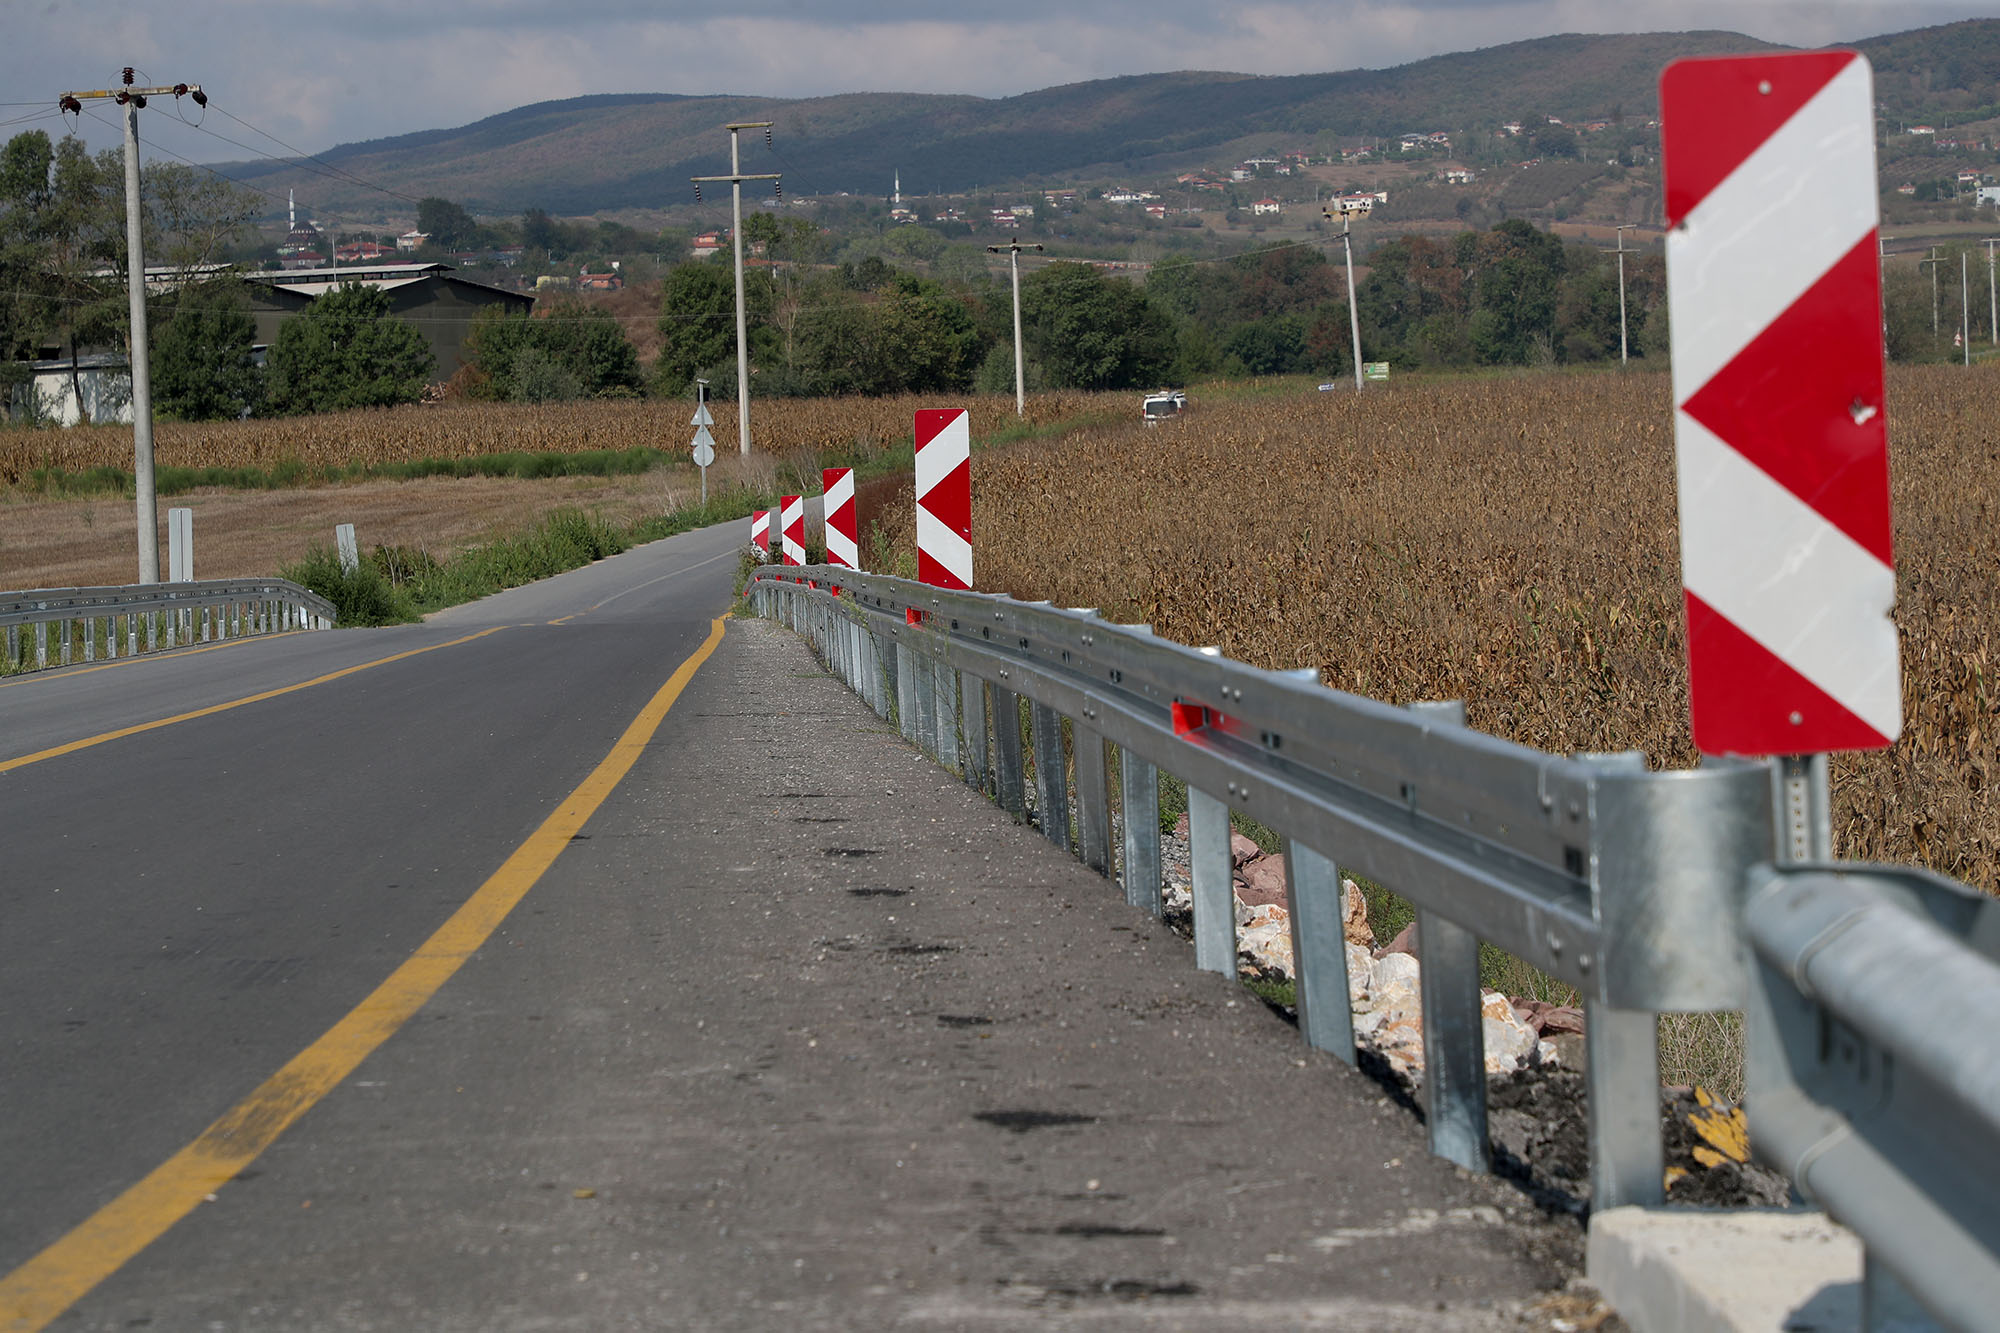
[{"x": 314, "y": 73}]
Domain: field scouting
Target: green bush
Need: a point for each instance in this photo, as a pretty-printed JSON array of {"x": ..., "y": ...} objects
[{"x": 361, "y": 596}]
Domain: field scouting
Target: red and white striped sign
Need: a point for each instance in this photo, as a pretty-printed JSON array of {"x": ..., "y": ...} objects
[
  {"x": 842, "y": 548},
  {"x": 792, "y": 528},
  {"x": 760, "y": 530},
  {"x": 944, "y": 497},
  {"x": 1775, "y": 288}
]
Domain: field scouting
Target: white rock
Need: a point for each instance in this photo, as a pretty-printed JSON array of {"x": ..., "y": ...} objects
[
  {"x": 1510, "y": 1043},
  {"x": 1266, "y": 938}
]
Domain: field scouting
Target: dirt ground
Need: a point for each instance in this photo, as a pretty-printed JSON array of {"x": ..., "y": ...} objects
[{"x": 73, "y": 543}]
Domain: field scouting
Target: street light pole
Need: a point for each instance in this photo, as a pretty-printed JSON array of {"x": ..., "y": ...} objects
[
  {"x": 1353, "y": 311},
  {"x": 736, "y": 179},
  {"x": 1013, "y": 249},
  {"x": 147, "y": 515},
  {"x": 1624, "y": 343}
]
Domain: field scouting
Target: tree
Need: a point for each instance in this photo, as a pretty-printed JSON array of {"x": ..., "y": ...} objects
[
  {"x": 62, "y": 248},
  {"x": 346, "y": 350},
  {"x": 448, "y": 225},
  {"x": 583, "y": 342},
  {"x": 698, "y": 322},
  {"x": 204, "y": 368},
  {"x": 1090, "y": 331}
]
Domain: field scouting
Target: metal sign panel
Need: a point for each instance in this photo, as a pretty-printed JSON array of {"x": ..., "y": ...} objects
[
  {"x": 944, "y": 497},
  {"x": 760, "y": 529},
  {"x": 837, "y": 499},
  {"x": 792, "y": 529},
  {"x": 1774, "y": 283}
]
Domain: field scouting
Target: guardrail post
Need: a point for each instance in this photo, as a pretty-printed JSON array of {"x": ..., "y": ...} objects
[
  {"x": 1454, "y": 1042},
  {"x": 1454, "y": 1034},
  {"x": 1051, "y": 775},
  {"x": 944, "y": 711},
  {"x": 1319, "y": 950},
  {"x": 923, "y": 692},
  {"x": 1093, "y": 803},
  {"x": 972, "y": 719},
  {"x": 1213, "y": 892},
  {"x": 1139, "y": 807},
  {"x": 1009, "y": 769},
  {"x": 902, "y": 706}
]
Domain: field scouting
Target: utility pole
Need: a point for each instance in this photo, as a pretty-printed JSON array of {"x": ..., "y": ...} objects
[
  {"x": 1624, "y": 356},
  {"x": 1933, "y": 261},
  {"x": 1992, "y": 292},
  {"x": 1353, "y": 310},
  {"x": 1964, "y": 310},
  {"x": 148, "y": 514},
  {"x": 1013, "y": 250},
  {"x": 736, "y": 179}
]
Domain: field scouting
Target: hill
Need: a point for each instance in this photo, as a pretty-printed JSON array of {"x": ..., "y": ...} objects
[{"x": 603, "y": 153}]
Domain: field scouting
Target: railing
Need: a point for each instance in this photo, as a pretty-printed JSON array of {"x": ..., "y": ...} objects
[
  {"x": 1646, "y": 891},
  {"x": 57, "y": 626}
]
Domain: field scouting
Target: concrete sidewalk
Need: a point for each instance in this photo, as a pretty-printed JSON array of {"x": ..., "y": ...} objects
[{"x": 804, "y": 1034}]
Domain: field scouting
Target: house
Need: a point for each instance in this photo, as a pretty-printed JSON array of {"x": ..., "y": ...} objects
[
  {"x": 600, "y": 282},
  {"x": 1263, "y": 206},
  {"x": 1022, "y": 210},
  {"x": 96, "y": 387},
  {"x": 1907, "y": 187},
  {"x": 1922, "y": 129},
  {"x": 1457, "y": 176},
  {"x": 441, "y": 305},
  {"x": 1511, "y": 128},
  {"x": 1989, "y": 194},
  {"x": 361, "y": 252},
  {"x": 707, "y": 243},
  {"x": 1156, "y": 211},
  {"x": 413, "y": 240},
  {"x": 1968, "y": 178}
]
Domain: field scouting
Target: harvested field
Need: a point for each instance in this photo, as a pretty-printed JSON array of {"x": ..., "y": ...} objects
[
  {"x": 784, "y": 427},
  {"x": 1511, "y": 542}
]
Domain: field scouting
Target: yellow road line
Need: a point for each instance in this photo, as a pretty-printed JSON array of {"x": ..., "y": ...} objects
[
  {"x": 152, "y": 655},
  {"x": 40, "y": 1290},
  {"x": 57, "y": 751}
]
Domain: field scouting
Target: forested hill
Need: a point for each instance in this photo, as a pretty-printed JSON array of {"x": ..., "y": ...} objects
[{"x": 593, "y": 154}]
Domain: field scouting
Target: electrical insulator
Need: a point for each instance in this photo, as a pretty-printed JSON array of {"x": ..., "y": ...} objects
[
  {"x": 767, "y": 136},
  {"x": 778, "y": 190},
  {"x": 69, "y": 104},
  {"x": 128, "y": 76},
  {"x": 697, "y": 192},
  {"x": 122, "y": 98},
  {"x": 200, "y": 97}
]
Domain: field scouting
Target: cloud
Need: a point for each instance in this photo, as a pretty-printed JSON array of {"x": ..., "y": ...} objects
[{"x": 315, "y": 73}]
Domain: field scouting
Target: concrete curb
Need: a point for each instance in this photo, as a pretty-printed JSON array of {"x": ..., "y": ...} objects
[{"x": 1678, "y": 1270}]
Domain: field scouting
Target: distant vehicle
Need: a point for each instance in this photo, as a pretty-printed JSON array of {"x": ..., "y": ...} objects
[{"x": 1162, "y": 405}]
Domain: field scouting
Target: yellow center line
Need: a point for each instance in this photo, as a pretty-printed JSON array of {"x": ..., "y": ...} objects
[
  {"x": 155, "y": 655},
  {"x": 57, "y": 751},
  {"x": 40, "y": 1290}
]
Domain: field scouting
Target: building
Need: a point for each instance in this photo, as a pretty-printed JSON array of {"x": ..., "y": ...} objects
[
  {"x": 1457, "y": 176},
  {"x": 96, "y": 387},
  {"x": 1263, "y": 206},
  {"x": 1989, "y": 194},
  {"x": 440, "y": 304},
  {"x": 413, "y": 240}
]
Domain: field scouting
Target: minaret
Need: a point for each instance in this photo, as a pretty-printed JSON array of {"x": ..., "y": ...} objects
[
  {"x": 899, "y": 189},
  {"x": 291, "y": 213}
]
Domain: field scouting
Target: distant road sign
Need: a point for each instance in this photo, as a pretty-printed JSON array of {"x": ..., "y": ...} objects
[
  {"x": 1774, "y": 285},
  {"x": 704, "y": 447},
  {"x": 1375, "y": 370}
]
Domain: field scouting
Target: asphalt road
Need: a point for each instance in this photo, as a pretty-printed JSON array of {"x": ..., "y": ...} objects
[{"x": 787, "y": 1028}]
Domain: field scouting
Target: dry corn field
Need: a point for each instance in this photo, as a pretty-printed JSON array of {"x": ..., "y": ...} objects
[
  {"x": 1511, "y": 542},
  {"x": 461, "y": 430}
]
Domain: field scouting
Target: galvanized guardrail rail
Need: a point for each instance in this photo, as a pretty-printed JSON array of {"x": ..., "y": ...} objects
[
  {"x": 57, "y": 626},
  {"x": 1650, "y": 892}
]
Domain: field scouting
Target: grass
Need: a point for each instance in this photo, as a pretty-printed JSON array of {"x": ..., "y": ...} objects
[{"x": 290, "y": 473}]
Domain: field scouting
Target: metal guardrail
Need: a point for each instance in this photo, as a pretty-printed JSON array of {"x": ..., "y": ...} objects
[
  {"x": 52, "y": 627},
  {"x": 1644, "y": 890}
]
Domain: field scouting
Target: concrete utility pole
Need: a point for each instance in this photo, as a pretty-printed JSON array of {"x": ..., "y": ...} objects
[
  {"x": 1964, "y": 309},
  {"x": 148, "y": 515},
  {"x": 1624, "y": 355},
  {"x": 1013, "y": 250},
  {"x": 1992, "y": 291},
  {"x": 1933, "y": 261},
  {"x": 736, "y": 179},
  {"x": 1353, "y": 310}
]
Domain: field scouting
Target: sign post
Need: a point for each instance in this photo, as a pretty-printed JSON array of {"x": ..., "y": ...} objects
[
  {"x": 704, "y": 443},
  {"x": 1774, "y": 283}
]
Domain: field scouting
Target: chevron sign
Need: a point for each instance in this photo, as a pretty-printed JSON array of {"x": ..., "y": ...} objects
[
  {"x": 837, "y": 502},
  {"x": 1775, "y": 289},
  {"x": 760, "y": 529},
  {"x": 944, "y": 498},
  {"x": 792, "y": 529}
]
